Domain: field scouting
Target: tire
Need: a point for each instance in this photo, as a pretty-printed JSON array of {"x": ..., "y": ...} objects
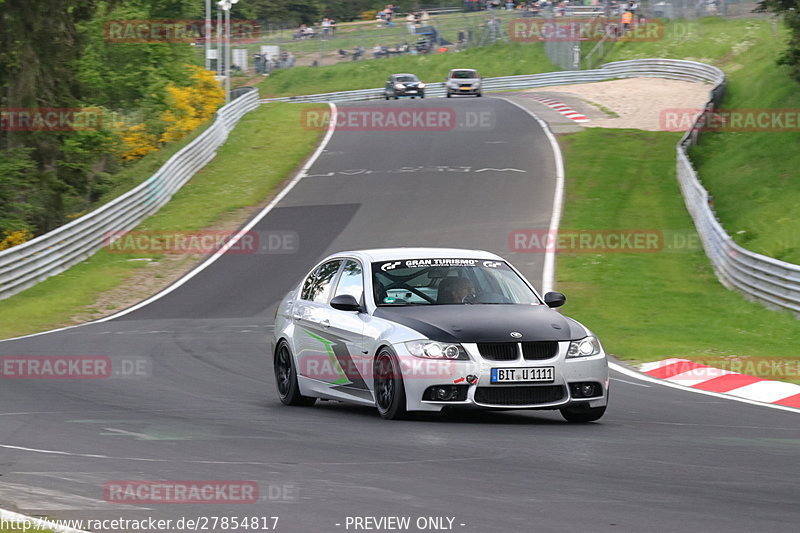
[
  {"x": 386, "y": 96},
  {"x": 286, "y": 378},
  {"x": 448, "y": 94},
  {"x": 582, "y": 414},
  {"x": 422, "y": 96},
  {"x": 396, "y": 97},
  {"x": 479, "y": 95},
  {"x": 390, "y": 392},
  {"x": 413, "y": 97}
]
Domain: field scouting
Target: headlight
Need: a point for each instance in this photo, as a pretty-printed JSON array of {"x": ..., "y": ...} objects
[
  {"x": 399, "y": 86},
  {"x": 584, "y": 347},
  {"x": 421, "y": 85},
  {"x": 476, "y": 84},
  {"x": 436, "y": 350}
]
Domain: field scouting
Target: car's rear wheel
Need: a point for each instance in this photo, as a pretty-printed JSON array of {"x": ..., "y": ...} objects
[
  {"x": 582, "y": 413},
  {"x": 286, "y": 378},
  {"x": 386, "y": 96},
  {"x": 396, "y": 97},
  {"x": 390, "y": 393}
]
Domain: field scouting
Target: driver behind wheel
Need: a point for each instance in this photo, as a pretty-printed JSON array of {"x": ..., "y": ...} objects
[{"x": 453, "y": 290}]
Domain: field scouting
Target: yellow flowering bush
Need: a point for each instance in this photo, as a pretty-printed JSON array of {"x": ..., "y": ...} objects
[{"x": 13, "y": 238}]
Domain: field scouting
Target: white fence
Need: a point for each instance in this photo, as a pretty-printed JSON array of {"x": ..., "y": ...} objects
[
  {"x": 36, "y": 260},
  {"x": 775, "y": 283}
]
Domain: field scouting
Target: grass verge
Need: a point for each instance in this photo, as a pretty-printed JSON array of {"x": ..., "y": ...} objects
[
  {"x": 751, "y": 175},
  {"x": 651, "y": 306},
  {"x": 494, "y": 60},
  {"x": 247, "y": 169}
]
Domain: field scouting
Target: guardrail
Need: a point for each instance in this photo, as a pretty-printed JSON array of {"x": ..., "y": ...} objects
[
  {"x": 775, "y": 283},
  {"x": 36, "y": 260},
  {"x": 768, "y": 280}
]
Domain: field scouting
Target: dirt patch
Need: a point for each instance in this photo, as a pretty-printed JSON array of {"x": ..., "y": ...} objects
[{"x": 640, "y": 103}]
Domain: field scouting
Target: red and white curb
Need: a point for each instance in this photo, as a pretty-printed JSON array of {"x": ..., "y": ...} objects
[
  {"x": 706, "y": 378},
  {"x": 561, "y": 107}
]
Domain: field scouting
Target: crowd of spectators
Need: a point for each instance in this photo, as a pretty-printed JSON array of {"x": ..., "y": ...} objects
[{"x": 325, "y": 29}]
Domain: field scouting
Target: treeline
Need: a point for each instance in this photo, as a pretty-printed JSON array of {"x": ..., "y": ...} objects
[
  {"x": 790, "y": 11},
  {"x": 109, "y": 102},
  {"x": 56, "y": 66}
]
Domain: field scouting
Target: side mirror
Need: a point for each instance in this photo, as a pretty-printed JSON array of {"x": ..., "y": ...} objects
[
  {"x": 554, "y": 299},
  {"x": 345, "y": 302}
]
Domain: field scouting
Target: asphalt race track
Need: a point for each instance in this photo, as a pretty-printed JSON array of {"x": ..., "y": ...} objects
[{"x": 661, "y": 459}]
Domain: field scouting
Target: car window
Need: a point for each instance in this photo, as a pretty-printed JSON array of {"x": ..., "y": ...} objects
[
  {"x": 406, "y": 78},
  {"x": 443, "y": 281},
  {"x": 351, "y": 281},
  {"x": 317, "y": 286},
  {"x": 463, "y": 74}
]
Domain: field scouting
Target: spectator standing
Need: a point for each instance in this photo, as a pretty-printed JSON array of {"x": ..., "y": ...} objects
[
  {"x": 411, "y": 22},
  {"x": 424, "y": 18},
  {"x": 627, "y": 18}
]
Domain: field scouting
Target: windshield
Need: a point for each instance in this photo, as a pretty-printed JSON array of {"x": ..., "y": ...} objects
[
  {"x": 463, "y": 74},
  {"x": 448, "y": 281},
  {"x": 406, "y": 78}
]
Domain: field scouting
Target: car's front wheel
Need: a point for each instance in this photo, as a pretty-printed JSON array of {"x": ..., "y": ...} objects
[
  {"x": 286, "y": 378},
  {"x": 583, "y": 413},
  {"x": 449, "y": 94},
  {"x": 390, "y": 393}
]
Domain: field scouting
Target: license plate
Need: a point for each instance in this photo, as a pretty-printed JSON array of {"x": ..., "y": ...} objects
[
  {"x": 466, "y": 88},
  {"x": 523, "y": 375},
  {"x": 414, "y": 91}
]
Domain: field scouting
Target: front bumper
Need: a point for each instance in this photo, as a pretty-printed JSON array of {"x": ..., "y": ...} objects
[
  {"x": 410, "y": 92},
  {"x": 464, "y": 89},
  {"x": 419, "y": 375}
]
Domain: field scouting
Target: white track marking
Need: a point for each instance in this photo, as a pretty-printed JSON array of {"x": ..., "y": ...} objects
[
  {"x": 644, "y": 377},
  {"x": 549, "y": 268},
  {"x": 11, "y": 516},
  {"x": 300, "y": 175},
  {"x": 251, "y": 463}
]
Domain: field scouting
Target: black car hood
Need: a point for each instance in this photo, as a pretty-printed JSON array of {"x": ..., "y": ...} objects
[{"x": 484, "y": 323}]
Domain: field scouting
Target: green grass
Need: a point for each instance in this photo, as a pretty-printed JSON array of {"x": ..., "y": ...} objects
[
  {"x": 494, "y": 60},
  {"x": 651, "y": 306},
  {"x": 713, "y": 40},
  {"x": 753, "y": 175},
  {"x": 246, "y": 170}
]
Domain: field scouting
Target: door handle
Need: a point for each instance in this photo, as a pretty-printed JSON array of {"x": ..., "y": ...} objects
[{"x": 326, "y": 323}]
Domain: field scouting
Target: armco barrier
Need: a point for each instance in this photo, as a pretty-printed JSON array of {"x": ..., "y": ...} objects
[
  {"x": 27, "y": 264},
  {"x": 775, "y": 283}
]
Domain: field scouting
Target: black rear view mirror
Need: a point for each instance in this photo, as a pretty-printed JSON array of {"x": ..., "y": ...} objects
[
  {"x": 554, "y": 299},
  {"x": 345, "y": 302}
]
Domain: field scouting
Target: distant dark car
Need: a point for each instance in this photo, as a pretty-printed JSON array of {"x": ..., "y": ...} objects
[{"x": 398, "y": 85}]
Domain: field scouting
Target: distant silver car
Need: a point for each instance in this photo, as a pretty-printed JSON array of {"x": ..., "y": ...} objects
[
  {"x": 423, "y": 329},
  {"x": 463, "y": 81}
]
